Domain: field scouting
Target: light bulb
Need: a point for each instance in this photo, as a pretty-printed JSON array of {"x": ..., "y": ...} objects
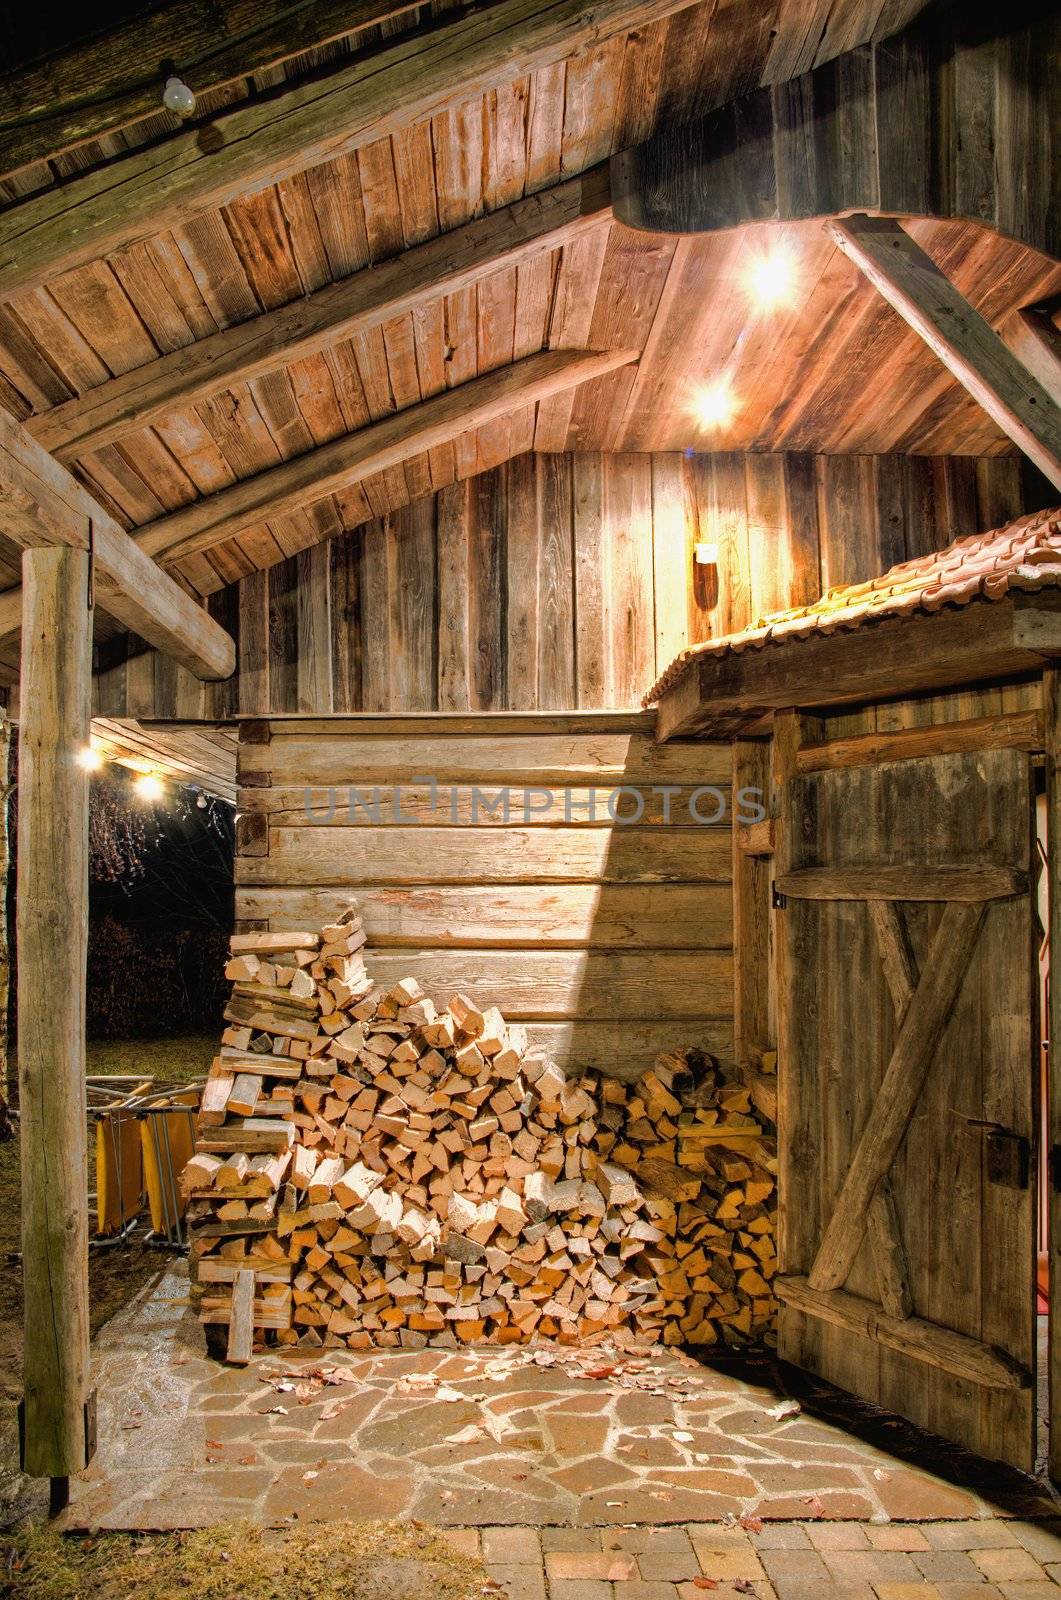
[
  {"x": 89, "y": 758},
  {"x": 149, "y": 787},
  {"x": 178, "y": 98},
  {"x": 715, "y": 404}
]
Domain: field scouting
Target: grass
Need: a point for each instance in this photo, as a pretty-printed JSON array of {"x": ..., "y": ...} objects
[
  {"x": 116, "y": 1274},
  {"x": 236, "y": 1561}
]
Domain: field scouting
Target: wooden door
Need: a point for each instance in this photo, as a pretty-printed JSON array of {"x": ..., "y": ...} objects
[{"x": 905, "y": 951}]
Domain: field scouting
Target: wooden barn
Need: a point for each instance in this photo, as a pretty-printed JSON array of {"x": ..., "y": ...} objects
[{"x": 584, "y": 481}]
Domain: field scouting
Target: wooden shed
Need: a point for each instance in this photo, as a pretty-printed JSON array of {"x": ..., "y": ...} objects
[{"x": 581, "y": 478}]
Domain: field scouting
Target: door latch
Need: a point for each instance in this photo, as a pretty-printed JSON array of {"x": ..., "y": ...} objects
[{"x": 1009, "y": 1159}]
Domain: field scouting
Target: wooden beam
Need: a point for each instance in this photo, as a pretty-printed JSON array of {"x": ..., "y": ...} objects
[
  {"x": 889, "y": 1254},
  {"x": 1012, "y": 730},
  {"x": 52, "y": 914},
  {"x": 416, "y": 77},
  {"x": 966, "y": 883},
  {"x": 922, "y": 1028},
  {"x": 350, "y": 460},
  {"x": 896, "y": 657},
  {"x": 968, "y": 346},
  {"x": 872, "y": 130},
  {"x": 1035, "y": 339},
  {"x": 40, "y": 503},
  {"x": 937, "y": 1347},
  {"x": 365, "y": 300},
  {"x": 211, "y": 43}
]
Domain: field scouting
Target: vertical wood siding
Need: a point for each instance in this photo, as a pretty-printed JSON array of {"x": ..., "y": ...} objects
[{"x": 562, "y": 581}]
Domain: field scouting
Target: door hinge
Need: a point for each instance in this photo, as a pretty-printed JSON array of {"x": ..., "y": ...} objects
[{"x": 1009, "y": 1159}]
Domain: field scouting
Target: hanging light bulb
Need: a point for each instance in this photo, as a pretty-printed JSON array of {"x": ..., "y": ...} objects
[
  {"x": 90, "y": 758},
  {"x": 148, "y": 786},
  {"x": 178, "y": 98}
]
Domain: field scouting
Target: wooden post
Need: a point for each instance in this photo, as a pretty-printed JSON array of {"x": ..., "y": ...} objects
[
  {"x": 1052, "y": 1133},
  {"x": 5, "y": 943},
  {"x": 52, "y": 921}
]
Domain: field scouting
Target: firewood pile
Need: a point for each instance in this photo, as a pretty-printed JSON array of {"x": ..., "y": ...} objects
[{"x": 372, "y": 1172}]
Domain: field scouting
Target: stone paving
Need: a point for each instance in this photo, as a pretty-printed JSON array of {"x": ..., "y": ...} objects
[{"x": 487, "y": 1438}]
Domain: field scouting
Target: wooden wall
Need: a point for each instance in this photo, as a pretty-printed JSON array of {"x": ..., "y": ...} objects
[
  {"x": 561, "y": 581},
  {"x": 611, "y": 941}
]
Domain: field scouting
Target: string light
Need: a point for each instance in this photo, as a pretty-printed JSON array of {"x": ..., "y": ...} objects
[
  {"x": 715, "y": 403},
  {"x": 90, "y": 758},
  {"x": 148, "y": 786}
]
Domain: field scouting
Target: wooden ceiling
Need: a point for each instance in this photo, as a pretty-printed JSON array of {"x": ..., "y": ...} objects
[{"x": 833, "y": 371}]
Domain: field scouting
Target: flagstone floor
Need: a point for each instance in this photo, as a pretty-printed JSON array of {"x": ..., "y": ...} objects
[{"x": 488, "y": 1438}]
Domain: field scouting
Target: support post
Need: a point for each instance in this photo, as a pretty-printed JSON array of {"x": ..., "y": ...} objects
[
  {"x": 52, "y": 922},
  {"x": 1052, "y": 1132}
]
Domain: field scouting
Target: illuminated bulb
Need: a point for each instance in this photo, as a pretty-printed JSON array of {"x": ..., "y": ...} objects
[
  {"x": 178, "y": 98},
  {"x": 148, "y": 786},
  {"x": 89, "y": 758},
  {"x": 715, "y": 404},
  {"x": 771, "y": 277}
]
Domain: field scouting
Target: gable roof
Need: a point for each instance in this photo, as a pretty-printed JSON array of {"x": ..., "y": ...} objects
[{"x": 1024, "y": 554}]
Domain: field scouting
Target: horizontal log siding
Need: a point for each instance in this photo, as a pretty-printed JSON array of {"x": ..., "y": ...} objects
[{"x": 611, "y": 941}]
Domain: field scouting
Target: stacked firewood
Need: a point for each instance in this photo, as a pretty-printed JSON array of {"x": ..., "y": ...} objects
[{"x": 394, "y": 1175}]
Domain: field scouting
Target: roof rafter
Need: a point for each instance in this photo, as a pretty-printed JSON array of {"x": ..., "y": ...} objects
[
  {"x": 41, "y": 504},
  {"x": 346, "y": 461},
  {"x": 144, "y": 191},
  {"x": 441, "y": 266}
]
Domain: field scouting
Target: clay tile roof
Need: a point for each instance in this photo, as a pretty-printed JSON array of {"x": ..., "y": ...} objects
[{"x": 1025, "y": 554}]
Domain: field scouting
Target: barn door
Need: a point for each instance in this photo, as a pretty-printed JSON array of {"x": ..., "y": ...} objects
[{"x": 907, "y": 1028}]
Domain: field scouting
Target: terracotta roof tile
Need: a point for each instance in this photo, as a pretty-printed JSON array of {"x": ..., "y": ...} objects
[{"x": 1025, "y": 555}]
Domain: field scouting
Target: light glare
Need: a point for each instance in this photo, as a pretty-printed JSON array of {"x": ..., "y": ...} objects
[
  {"x": 148, "y": 786},
  {"x": 89, "y": 758},
  {"x": 715, "y": 404},
  {"x": 772, "y": 277}
]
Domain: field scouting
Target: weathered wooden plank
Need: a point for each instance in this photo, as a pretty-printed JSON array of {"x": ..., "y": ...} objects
[
  {"x": 559, "y": 985},
  {"x": 508, "y": 915},
  {"x": 241, "y": 1320},
  {"x": 145, "y": 191},
  {"x": 52, "y": 910},
  {"x": 48, "y": 110},
  {"x": 971, "y": 884},
  {"x": 1016, "y": 730},
  {"x": 884, "y": 1227},
  {"x": 579, "y": 757},
  {"x": 916, "y": 1042},
  {"x": 353, "y": 306},
  {"x": 951, "y": 1352},
  {"x": 967, "y": 345},
  {"x": 450, "y": 805},
  {"x": 40, "y": 503},
  {"x": 356, "y": 457},
  {"x": 626, "y": 1049},
  {"x": 752, "y": 1025},
  {"x": 353, "y": 856},
  {"x": 980, "y": 642}
]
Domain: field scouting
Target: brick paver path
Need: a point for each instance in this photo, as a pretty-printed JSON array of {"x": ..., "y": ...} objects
[{"x": 983, "y": 1560}]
